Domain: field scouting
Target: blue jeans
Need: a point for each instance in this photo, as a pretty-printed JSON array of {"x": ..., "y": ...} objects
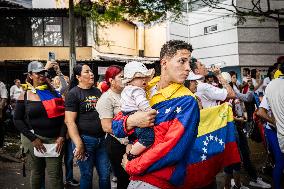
[
  {"x": 273, "y": 144},
  {"x": 96, "y": 156},
  {"x": 68, "y": 160}
]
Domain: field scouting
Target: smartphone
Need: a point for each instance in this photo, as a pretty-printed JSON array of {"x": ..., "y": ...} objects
[{"x": 51, "y": 56}]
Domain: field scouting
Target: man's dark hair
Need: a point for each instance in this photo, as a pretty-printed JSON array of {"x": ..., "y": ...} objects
[
  {"x": 282, "y": 68},
  {"x": 253, "y": 73},
  {"x": 276, "y": 65},
  {"x": 247, "y": 70},
  {"x": 270, "y": 70},
  {"x": 192, "y": 64},
  {"x": 233, "y": 73},
  {"x": 171, "y": 47}
]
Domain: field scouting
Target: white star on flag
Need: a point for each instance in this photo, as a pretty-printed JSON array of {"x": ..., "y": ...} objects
[
  {"x": 211, "y": 137},
  {"x": 203, "y": 157},
  {"x": 216, "y": 138},
  {"x": 204, "y": 150},
  {"x": 221, "y": 142},
  {"x": 207, "y": 138},
  {"x": 168, "y": 110},
  {"x": 205, "y": 143},
  {"x": 178, "y": 110},
  {"x": 158, "y": 112}
]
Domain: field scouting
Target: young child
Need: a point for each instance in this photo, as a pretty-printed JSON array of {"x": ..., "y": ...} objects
[{"x": 133, "y": 98}]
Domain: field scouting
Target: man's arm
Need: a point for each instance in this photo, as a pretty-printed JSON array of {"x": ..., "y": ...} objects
[
  {"x": 169, "y": 148},
  {"x": 122, "y": 126},
  {"x": 231, "y": 93},
  {"x": 261, "y": 112},
  {"x": 248, "y": 97}
]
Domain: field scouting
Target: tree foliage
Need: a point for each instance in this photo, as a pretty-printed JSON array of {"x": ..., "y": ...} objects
[
  {"x": 147, "y": 11},
  {"x": 256, "y": 8}
]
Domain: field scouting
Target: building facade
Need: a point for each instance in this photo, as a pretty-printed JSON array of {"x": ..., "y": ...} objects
[{"x": 217, "y": 38}]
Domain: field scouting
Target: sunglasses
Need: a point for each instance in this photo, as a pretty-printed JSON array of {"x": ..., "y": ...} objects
[{"x": 42, "y": 73}]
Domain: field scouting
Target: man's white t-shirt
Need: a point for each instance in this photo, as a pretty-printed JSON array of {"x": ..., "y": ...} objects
[
  {"x": 275, "y": 96},
  {"x": 15, "y": 92},
  {"x": 265, "y": 105},
  {"x": 209, "y": 95},
  {"x": 3, "y": 91}
]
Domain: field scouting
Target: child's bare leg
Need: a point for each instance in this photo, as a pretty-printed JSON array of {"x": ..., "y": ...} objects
[{"x": 137, "y": 148}]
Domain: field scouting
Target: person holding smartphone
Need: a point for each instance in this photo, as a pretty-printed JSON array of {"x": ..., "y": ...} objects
[{"x": 39, "y": 116}]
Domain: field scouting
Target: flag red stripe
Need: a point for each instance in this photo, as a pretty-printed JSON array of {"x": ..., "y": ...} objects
[{"x": 203, "y": 173}]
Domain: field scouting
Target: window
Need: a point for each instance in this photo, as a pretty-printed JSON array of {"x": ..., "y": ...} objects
[
  {"x": 210, "y": 29},
  {"x": 14, "y": 31},
  {"x": 40, "y": 31}
]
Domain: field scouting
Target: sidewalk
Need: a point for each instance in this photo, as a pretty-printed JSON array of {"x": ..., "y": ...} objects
[{"x": 11, "y": 171}]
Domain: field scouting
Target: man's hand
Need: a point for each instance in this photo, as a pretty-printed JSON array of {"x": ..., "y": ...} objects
[
  {"x": 124, "y": 161},
  {"x": 216, "y": 70},
  {"x": 79, "y": 152},
  {"x": 59, "y": 144},
  {"x": 39, "y": 145},
  {"x": 141, "y": 119},
  {"x": 53, "y": 65}
]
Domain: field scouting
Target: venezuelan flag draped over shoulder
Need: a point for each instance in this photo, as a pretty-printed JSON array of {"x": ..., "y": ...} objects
[
  {"x": 214, "y": 148},
  {"x": 184, "y": 154},
  {"x": 52, "y": 101}
]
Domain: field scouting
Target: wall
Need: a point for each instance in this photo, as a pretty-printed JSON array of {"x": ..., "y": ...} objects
[
  {"x": 178, "y": 29},
  {"x": 259, "y": 42},
  {"x": 41, "y": 53},
  {"x": 155, "y": 37},
  {"x": 118, "y": 38},
  {"x": 216, "y": 46}
]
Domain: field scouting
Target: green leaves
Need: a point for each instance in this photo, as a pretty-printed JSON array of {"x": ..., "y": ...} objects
[{"x": 145, "y": 11}]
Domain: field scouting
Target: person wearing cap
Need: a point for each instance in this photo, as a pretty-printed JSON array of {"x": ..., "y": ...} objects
[
  {"x": 191, "y": 83},
  {"x": 108, "y": 106},
  {"x": 133, "y": 98},
  {"x": 39, "y": 116},
  {"x": 209, "y": 94}
]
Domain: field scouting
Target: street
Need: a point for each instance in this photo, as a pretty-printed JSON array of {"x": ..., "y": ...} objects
[{"x": 11, "y": 173}]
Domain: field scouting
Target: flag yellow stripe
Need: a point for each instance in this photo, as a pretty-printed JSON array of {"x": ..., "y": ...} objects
[
  {"x": 182, "y": 91},
  {"x": 172, "y": 91},
  {"x": 214, "y": 118}
]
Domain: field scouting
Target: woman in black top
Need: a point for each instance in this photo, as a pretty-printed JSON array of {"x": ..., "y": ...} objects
[
  {"x": 39, "y": 116},
  {"x": 85, "y": 128}
]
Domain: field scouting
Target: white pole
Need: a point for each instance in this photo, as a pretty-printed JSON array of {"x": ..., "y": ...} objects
[{"x": 187, "y": 16}]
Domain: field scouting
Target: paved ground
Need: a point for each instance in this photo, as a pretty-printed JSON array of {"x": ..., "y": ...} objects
[{"x": 11, "y": 171}]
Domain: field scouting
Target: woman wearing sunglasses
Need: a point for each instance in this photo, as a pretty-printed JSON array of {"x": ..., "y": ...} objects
[{"x": 39, "y": 116}]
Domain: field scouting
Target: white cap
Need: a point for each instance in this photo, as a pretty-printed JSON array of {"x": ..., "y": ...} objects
[
  {"x": 136, "y": 69},
  {"x": 193, "y": 76},
  {"x": 227, "y": 77}
]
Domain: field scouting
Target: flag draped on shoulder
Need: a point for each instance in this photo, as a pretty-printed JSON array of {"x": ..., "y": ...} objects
[
  {"x": 182, "y": 151},
  {"x": 53, "y": 103}
]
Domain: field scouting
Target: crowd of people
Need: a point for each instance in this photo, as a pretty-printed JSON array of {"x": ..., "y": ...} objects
[{"x": 117, "y": 125}]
